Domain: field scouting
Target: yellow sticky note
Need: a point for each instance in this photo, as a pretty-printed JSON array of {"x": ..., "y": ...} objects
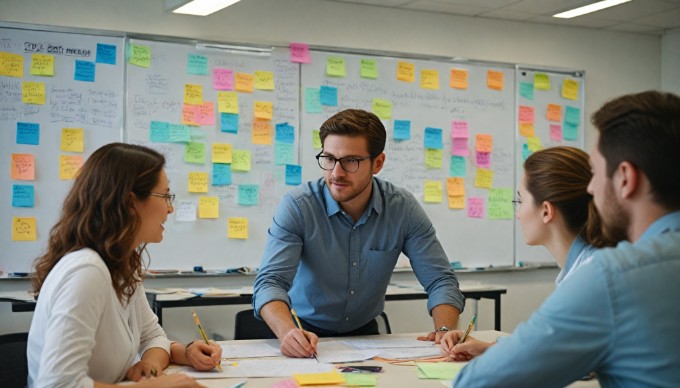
[
  {"x": 244, "y": 82},
  {"x": 140, "y": 55},
  {"x": 208, "y": 207},
  {"x": 193, "y": 94},
  {"x": 198, "y": 182},
  {"x": 326, "y": 378},
  {"x": 316, "y": 139},
  {"x": 33, "y": 93},
  {"x": 42, "y": 64},
  {"x": 541, "y": 81},
  {"x": 459, "y": 79},
  {"x": 433, "y": 158},
  {"x": 406, "y": 71},
  {"x": 484, "y": 178},
  {"x": 24, "y": 229},
  {"x": 237, "y": 228},
  {"x": 382, "y": 108},
  {"x": 554, "y": 112},
  {"x": 433, "y": 191},
  {"x": 227, "y": 102},
  {"x": 429, "y": 79},
  {"x": 11, "y": 65},
  {"x": 240, "y": 160},
  {"x": 455, "y": 186},
  {"x": 456, "y": 202},
  {"x": 494, "y": 80},
  {"x": 69, "y": 165},
  {"x": 263, "y": 110},
  {"x": 335, "y": 66},
  {"x": 526, "y": 129},
  {"x": 264, "y": 80},
  {"x": 221, "y": 153},
  {"x": 22, "y": 167},
  {"x": 72, "y": 139},
  {"x": 534, "y": 143},
  {"x": 262, "y": 132},
  {"x": 570, "y": 89},
  {"x": 484, "y": 143}
]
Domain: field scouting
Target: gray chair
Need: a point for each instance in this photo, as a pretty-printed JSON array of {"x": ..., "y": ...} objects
[{"x": 13, "y": 362}]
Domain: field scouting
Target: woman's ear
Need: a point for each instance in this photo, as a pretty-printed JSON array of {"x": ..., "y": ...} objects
[
  {"x": 132, "y": 201},
  {"x": 547, "y": 212}
]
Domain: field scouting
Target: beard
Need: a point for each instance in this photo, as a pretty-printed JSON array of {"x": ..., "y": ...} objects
[{"x": 615, "y": 220}]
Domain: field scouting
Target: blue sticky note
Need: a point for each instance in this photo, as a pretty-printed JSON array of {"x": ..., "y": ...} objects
[
  {"x": 572, "y": 115},
  {"x": 457, "y": 166},
  {"x": 179, "y": 133},
  {"x": 293, "y": 174},
  {"x": 197, "y": 64},
  {"x": 159, "y": 132},
  {"x": 23, "y": 196},
  {"x": 28, "y": 133},
  {"x": 313, "y": 100},
  {"x": 221, "y": 174},
  {"x": 526, "y": 90},
  {"x": 402, "y": 129},
  {"x": 328, "y": 95},
  {"x": 229, "y": 122},
  {"x": 285, "y": 133},
  {"x": 84, "y": 71},
  {"x": 570, "y": 131},
  {"x": 525, "y": 151},
  {"x": 248, "y": 195},
  {"x": 106, "y": 53},
  {"x": 284, "y": 153},
  {"x": 433, "y": 138}
]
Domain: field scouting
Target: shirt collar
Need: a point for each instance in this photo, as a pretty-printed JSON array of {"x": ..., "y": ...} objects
[
  {"x": 670, "y": 221},
  {"x": 333, "y": 207},
  {"x": 575, "y": 251}
]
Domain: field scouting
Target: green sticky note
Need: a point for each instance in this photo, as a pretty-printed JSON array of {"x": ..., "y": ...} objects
[
  {"x": 360, "y": 379},
  {"x": 240, "y": 160},
  {"x": 541, "y": 81},
  {"x": 526, "y": 90},
  {"x": 335, "y": 66},
  {"x": 316, "y": 139},
  {"x": 140, "y": 55},
  {"x": 194, "y": 152},
  {"x": 457, "y": 166},
  {"x": 284, "y": 154},
  {"x": 197, "y": 64},
  {"x": 382, "y": 108},
  {"x": 313, "y": 100},
  {"x": 439, "y": 370},
  {"x": 369, "y": 68},
  {"x": 500, "y": 204}
]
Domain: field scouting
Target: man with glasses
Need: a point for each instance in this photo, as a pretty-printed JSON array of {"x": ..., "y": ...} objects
[{"x": 334, "y": 243}]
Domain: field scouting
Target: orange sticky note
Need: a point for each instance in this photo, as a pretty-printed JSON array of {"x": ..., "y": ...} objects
[
  {"x": 22, "y": 167},
  {"x": 264, "y": 80},
  {"x": 455, "y": 186},
  {"x": 263, "y": 110},
  {"x": 494, "y": 80},
  {"x": 554, "y": 112},
  {"x": 526, "y": 129},
  {"x": 33, "y": 93},
  {"x": 237, "y": 228},
  {"x": 193, "y": 94},
  {"x": 208, "y": 207},
  {"x": 24, "y": 229},
  {"x": 429, "y": 79},
  {"x": 11, "y": 65},
  {"x": 190, "y": 114},
  {"x": 244, "y": 82},
  {"x": 456, "y": 202},
  {"x": 484, "y": 143},
  {"x": 406, "y": 71},
  {"x": 69, "y": 165},
  {"x": 459, "y": 79},
  {"x": 262, "y": 131}
]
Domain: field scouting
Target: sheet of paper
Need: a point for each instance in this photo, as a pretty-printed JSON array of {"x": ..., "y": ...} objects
[
  {"x": 410, "y": 353},
  {"x": 252, "y": 350},
  {"x": 270, "y": 367},
  {"x": 336, "y": 351},
  {"x": 390, "y": 343}
]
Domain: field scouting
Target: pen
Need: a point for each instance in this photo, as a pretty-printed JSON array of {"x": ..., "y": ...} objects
[
  {"x": 469, "y": 328},
  {"x": 202, "y": 332},
  {"x": 299, "y": 325}
]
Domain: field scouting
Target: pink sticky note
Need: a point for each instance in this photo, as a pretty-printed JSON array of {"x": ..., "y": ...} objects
[
  {"x": 459, "y": 147},
  {"x": 526, "y": 114},
  {"x": 223, "y": 79},
  {"x": 299, "y": 52},
  {"x": 22, "y": 167},
  {"x": 475, "y": 207},
  {"x": 555, "y": 132},
  {"x": 206, "y": 114},
  {"x": 288, "y": 383},
  {"x": 460, "y": 129},
  {"x": 190, "y": 114},
  {"x": 483, "y": 159}
]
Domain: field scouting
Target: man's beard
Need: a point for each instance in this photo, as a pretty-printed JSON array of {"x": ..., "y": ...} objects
[{"x": 615, "y": 220}]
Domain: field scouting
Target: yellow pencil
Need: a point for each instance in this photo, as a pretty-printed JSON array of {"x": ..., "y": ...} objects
[
  {"x": 299, "y": 325},
  {"x": 202, "y": 332},
  {"x": 469, "y": 329}
]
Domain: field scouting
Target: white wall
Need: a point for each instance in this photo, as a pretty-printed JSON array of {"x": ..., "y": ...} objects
[{"x": 670, "y": 62}]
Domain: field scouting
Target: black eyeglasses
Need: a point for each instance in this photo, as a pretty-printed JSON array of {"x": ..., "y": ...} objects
[
  {"x": 516, "y": 203},
  {"x": 169, "y": 197},
  {"x": 349, "y": 163}
]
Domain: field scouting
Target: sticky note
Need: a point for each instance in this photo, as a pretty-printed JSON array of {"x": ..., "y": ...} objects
[
  {"x": 456, "y": 202},
  {"x": 526, "y": 129},
  {"x": 439, "y": 370},
  {"x": 42, "y": 64},
  {"x": 22, "y": 167},
  {"x": 500, "y": 204},
  {"x": 237, "y": 227},
  {"x": 244, "y": 82},
  {"x": 72, "y": 139},
  {"x": 221, "y": 174},
  {"x": 263, "y": 110},
  {"x": 198, "y": 182},
  {"x": 382, "y": 108},
  {"x": 406, "y": 71},
  {"x": 433, "y": 191},
  {"x": 526, "y": 114},
  {"x": 206, "y": 114},
  {"x": 433, "y": 158},
  {"x": 525, "y": 151},
  {"x": 69, "y": 165},
  {"x": 23, "y": 196},
  {"x": 229, "y": 122},
  {"x": 293, "y": 174},
  {"x": 455, "y": 186},
  {"x": 284, "y": 154},
  {"x": 475, "y": 207},
  {"x": 328, "y": 95},
  {"x": 11, "y": 65},
  {"x": 33, "y": 93},
  {"x": 335, "y": 66},
  {"x": 526, "y": 90},
  {"x": 185, "y": 211},
  {"x": 159, "y": 132},
  {"x": 197, "y": 64},
  {"x": 316, "y": 139},
  {"x": 262, "y": 132},
  {"x": 299, "y": 53},
  {"x": 221, "y": 153},
  {"x": 313, "y": 100},
  {"x": 572, "y": 115},
  {"x": 433, "y": 138},
  {"x": 429, "y": 79},
  {"x": 554, "y": 112},
  {"x": 193, "y": 94},
  {"x": 541, "y": 81},
  {"x": 459, "y": 147},
  {"x": 402, "y": 129},
  {"x": 570, "y": 89},
  {"x": 106, "y": 53},
  {"x": 227, "y": 102},
  {"x": 285, "y": 133},
  {"x": 223, "y": 79},
  {"x": 190, "y": 114},
  {"x": 484, "y": 143},
  {"x": 555, "y": 132},
  {"x": 84, "y": 71},
  {"x": 264, "y": 80},
  {"x": 208, "y": 207},
  {"x": 140, "y": 55},
  {"x": 179, "y": 133},
  {"x": 459, "y": 79},
  {"x": 534, "y": 143},
  {"x": 459, "y": 128},
  {"x": 570, "y": 131},
  {"x": 28, "y": 133},
  {"x": 240, "y": 160},
  {"x": 248, "y": 195},
  {"x": 194, "y": 152},
  {"x": 494, "y": 80},
  {"x": 483, "y": 159},
  {"x": 24, "y": 229},
  {"x": 368, "y": 68},
  {"x": 325, "y": 378},
  {"x": 360, "y": 379},
  {"x": 484, "y": 178},
  {"x": 457, "y": 167}
]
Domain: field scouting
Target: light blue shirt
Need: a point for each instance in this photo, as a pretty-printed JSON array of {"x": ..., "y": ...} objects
[
  {"x": 579, "y": 253},
  {"x": 617, "y": 315},
  {"x": 334, "y": 271}
]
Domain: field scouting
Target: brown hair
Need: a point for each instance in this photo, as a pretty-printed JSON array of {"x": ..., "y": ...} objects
[
  {"x": 356, "y": 122},
  {"x": 96, "y": 214},
  {"x": 644, "y": 129},
  {"x": 560, "y": 175}
]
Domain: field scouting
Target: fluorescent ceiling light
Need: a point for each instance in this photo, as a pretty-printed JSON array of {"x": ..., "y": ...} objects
[
  {"x": 197, "y": 7},
  {"x": 589, "y": 8}
]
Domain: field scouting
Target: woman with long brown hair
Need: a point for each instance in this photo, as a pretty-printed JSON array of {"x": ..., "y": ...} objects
[{"x": 92, "y": 324}]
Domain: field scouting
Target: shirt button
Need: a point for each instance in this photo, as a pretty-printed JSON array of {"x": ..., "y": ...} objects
[
  {"x": 346, "y": 318},
  {"x": 354, "y": 264},
  {"x": 351, "y": 292}
]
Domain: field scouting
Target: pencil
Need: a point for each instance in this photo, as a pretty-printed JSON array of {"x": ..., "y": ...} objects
[
  {"x": 202, "y": 332},
  {"x": 469, "y": 328},
  {"x": 299, "y": 325}
]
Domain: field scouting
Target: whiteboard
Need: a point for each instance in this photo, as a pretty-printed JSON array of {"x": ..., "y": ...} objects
[
  {"x": 96, "y": 107},
  {"x": 475, "y": 242}
]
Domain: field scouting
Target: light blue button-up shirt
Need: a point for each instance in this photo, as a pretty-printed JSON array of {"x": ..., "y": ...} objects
[
  {"x": 617, "y": 315},
  {"x": 579, "y": 253},
  {"x": 333, "y": 271}
]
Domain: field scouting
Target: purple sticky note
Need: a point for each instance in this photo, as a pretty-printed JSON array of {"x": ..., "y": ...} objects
[
  {"x": 483, "y": 159},
  {"x": 475, "y": 207}
]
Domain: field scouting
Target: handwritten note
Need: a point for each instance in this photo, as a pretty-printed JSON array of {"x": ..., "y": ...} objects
[
  {"x": 284, "y": 153},
  {"x": 179, "y": 133},
  {"x": 208, "y": 207},
  {"x": 526, "y": 129},
  {"x": 159, "y": 132},
  {"x": 541, "y": 81},
  {"x": 494, "y": 80},
  {"x": 11, "y": 65},
  {"x": 335, "y": 66},
  {"x": 72, "y": 139},
  {"x": 432, "y": 191},
  {"x": 484, "y": 178},
  {"x": 240, "y": 160},
  {"x": 460, "y": 129},
  {"x": 262, "y": 132},
  {"x": 140, "y": 55},
  {"x": 22, "y": 167},
  {"x": 316, "y": 139},
  {"x": 455, "y": 186},
  {"x": 221, "y": 153},
  {"x": 484, "y": 142},
  {"x": 197, "y": 64},
  {"x": 555, "y": 132},
  {"x": 237, "y": 228},
  {"x": 84, "y": 71},
  {"x": 33, "y": 93},
  {"x": 198, "y": 182},
  {"x": 221, "y": 174},
  {"x": 500, "y": 204},
  {"x": 457, "y": 166},
  {"x": 227, "y": 102},
  {"x": 313, "y": 100},
  {"x": 402, "y": 129},
  {"x": 406, "y": 71},
  {"x": 554, "y": 112},
  {"x": 285, "y": 133},
  {"x": 193, "y": 94},
  {"x": 382, "y": 108},
  {"x": 223, "y": 79},
  {"x": 526, "y": 114},
  {"x": 433, "y": 138},
  {"x": 293, "y": 174},
  {"x": 299, "y": 53},
  {"x": 185, "y": 211},
  {"x": 28, "y": 133},
  {"x": 248, "y": 195},
  {"x": 229, "y": 122},
  {"x": 433, "y": 158},
  {"x": 69, "y": 165},
  {"x": 328, "y": 95},
  {"x": 483, "y": 159},
  {"x": 263, "y": 110},
  {"x": 42, "y": 64},
  {"x": 526, "y": 90},
  {"x": 244, "y": 82},
  {"x": 23, "y": 196},
  {"x": 459, "y": 146},
  {"x": 106, "y": 53},
  {"x": 368, "y": 68},
  {"x": 475, "y": 207},
  {"x": 429, "y": 79},
  {"x": 534, "y": 143},
  {"x": 264, "y": 80},
  {"x": 24, "y": 229},
  {"x": 459, "y": 79},
  {"x": 570, "y": 89},
  {"x": 194, "y": 152}
]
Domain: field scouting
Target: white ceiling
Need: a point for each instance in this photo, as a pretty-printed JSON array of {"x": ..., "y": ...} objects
[{"x": 639, "y": 16}]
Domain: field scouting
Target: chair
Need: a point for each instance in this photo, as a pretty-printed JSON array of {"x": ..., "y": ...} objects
[
  {"x": 13, "y": 362},
  {"x": 249, "y": 327},
  {"x": 386, "y": 323}
]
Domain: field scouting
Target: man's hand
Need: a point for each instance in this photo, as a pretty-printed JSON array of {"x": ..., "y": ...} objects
[
  {"x": 435, "y": 336},
  {"x": 299, "y": 343}
]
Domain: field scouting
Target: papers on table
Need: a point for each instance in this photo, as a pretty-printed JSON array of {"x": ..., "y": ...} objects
[
  {"x": 272, "y": 367},
  {"x": 336, "y": 351},
  {"x": 251, "y": 350}
]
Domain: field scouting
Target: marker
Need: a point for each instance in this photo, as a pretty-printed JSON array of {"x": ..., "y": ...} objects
[
  {"x": 198, "y": 268},
  {"x": 18, "y": 274}
]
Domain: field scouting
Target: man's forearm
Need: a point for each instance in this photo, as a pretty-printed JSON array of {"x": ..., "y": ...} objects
[
  {"x": 445, "y": 315},
  {"x": 278, "y": 318}
]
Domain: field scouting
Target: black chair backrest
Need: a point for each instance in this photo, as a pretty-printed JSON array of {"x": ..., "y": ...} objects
[
  {"x": 249, "y": 327},
  {"x": 13, "y": 362}
]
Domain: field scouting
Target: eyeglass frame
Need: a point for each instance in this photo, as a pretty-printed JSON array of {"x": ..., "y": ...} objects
[
  {"x": 339, "y": 160},
  {"x": 169, "y": 197}
]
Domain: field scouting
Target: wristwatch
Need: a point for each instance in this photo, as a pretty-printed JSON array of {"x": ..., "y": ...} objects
[{"x": 444, "y": 328}]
